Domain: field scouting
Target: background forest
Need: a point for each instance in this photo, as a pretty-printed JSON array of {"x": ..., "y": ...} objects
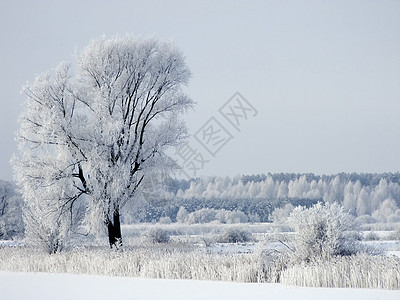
[{"x": 371, "y": 198}]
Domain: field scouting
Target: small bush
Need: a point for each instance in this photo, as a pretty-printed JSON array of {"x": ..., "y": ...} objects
[
  {"x": 201, "y": 216},
  {"x": 158, "y": 236},
  {"x": 235, "y": 235},
  {"x": 234, "y": 217}
]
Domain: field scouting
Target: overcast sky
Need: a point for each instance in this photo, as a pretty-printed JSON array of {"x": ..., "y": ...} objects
[{"x": 320, "y": 80}]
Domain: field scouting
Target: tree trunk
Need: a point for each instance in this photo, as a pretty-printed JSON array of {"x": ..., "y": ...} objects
[{"x": 114, "y": 231}]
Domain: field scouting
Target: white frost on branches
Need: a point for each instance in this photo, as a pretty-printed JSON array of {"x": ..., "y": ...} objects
[
  {"x": 322, "y": 231},
  {"x": 95, "y": 131}
]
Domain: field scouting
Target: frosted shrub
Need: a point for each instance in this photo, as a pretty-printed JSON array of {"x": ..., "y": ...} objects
[
  {"x": 322, "y": 231},
  {"x": 204, "y": 215},
  {"x": 232, "y": 217},
  {"x": 235, "y": 235},
  {"x": 158, "y": 236}
]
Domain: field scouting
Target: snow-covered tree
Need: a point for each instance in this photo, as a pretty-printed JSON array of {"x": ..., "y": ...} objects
[
  {"x": 98, "y": 129},
  {"x": 322, "y": 231},
  {"x": 379, "y": 194},
  {"x": 282, "y": 190},
  {"x": 335, "y": 191},
  {"x": 182, "y": 215},
  {"x": 350, "y": 198},
  {"x": 363, "y": 203}
]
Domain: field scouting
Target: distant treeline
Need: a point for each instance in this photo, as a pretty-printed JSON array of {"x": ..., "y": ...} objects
[
  {"x": 366, "y": 179},
  {"x": 256, "y": 209},
  {"x": 375, "y": 195}
]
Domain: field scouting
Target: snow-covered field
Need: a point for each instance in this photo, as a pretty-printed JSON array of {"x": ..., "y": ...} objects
[
  {"x": 218, "y": 270},
  {"x": 45, "y": 286}
]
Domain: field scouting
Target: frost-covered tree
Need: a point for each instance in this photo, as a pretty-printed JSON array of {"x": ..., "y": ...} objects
[
  {"x": 182, "y": 215},
  {"x": 322, "y": 231},
  {"x": 363, "y": 203},
  {"x": 96, "y": 130}
]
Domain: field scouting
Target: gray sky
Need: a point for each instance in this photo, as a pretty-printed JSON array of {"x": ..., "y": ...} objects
[{"x": 323, "y": 76}]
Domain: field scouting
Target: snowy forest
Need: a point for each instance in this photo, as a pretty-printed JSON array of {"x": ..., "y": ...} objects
[{"x": 370, "y": 198}]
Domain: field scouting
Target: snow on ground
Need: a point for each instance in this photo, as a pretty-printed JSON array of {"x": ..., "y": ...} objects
[{"x": 45, "y": 286}]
